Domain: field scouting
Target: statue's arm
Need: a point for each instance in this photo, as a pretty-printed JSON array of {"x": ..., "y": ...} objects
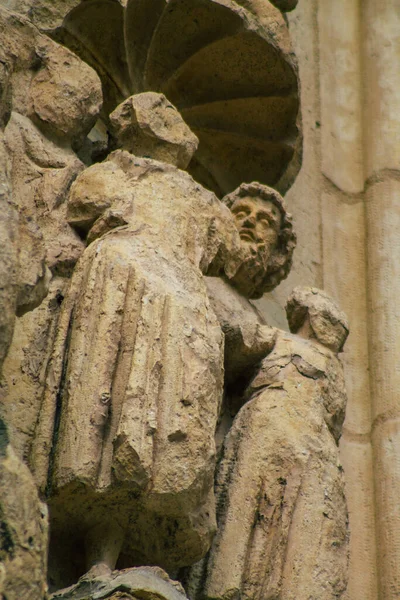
[
  {"x": 98, "y": 201},
  {"x": 247, "y": 338},
  {"x": 224, "y": 253}
]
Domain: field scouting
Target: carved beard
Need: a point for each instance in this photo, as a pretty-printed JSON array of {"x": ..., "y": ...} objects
[
  {"x": 253, "y": 269},
  {"x": 257, "y": 254}
]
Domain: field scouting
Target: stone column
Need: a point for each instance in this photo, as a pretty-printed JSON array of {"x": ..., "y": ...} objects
[
  {"x": 381, "y": 61},
  {"x": 343, "y": 219}
]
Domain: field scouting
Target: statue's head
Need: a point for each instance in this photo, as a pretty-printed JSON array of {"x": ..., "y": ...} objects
[
  {"x": 65, "y": 97},
  {"x": 312, "y": 314},
  {"x": 265, "y": 227},
  {"x": 148, "y": 125}
]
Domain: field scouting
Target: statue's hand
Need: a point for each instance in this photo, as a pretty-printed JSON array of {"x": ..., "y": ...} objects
[
  {"x": 245, "y": 347},
  {"x": 262, "y": 340}
]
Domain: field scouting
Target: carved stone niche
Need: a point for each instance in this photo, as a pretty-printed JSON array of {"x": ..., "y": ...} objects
[
  {"x": 227, "y": 66},
  {"x": 232, "y": 75}
]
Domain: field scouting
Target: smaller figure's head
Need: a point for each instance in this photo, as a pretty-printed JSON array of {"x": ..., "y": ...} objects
[
  {"x": 312, "y": 314},
  {"x": 266, "y": 228},
  {"x": 148, "y": 125}
]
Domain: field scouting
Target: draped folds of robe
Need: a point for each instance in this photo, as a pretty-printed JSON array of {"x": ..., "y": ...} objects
[
  {"x": 135, "y": 383},
  {"x": 282, "y": 517}
]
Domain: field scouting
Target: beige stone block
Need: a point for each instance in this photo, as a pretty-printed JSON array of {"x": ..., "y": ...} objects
[
  {"x": 383, "y": 251},
  {"x": 382, "y": 83},
  {"x": 344, "y": 268},
  {"x": 343, "y": 241},
  {"x": 356, "y": 456},
  {"x": 386, "y": 443},
  {"x": 340, "y": 89}
]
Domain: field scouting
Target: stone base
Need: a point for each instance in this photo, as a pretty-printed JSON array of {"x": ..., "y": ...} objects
[{"x": 150, "y": 583}]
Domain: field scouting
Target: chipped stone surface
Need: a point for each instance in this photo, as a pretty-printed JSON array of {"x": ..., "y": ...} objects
[
  {"x": 144, "y": 582},
  {"x": 148, "y": 125},
  {"x": 156, "y": 384},
  {"x": 8, "y": 256},
  {"x": 129, "y": 358},
  {"x": 23, "y": 529},
  {"x": 282, "y": 517},
  {"x": 54, "y": 99}
]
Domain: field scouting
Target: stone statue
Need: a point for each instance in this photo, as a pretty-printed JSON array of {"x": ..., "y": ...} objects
[
  {"x": 144, "y": 345},
  {"x": 56, "y": 99},
  {"x": 282, "y": 517},
  {"x": 125, "y": 442},
  {"x": 24, "y": 282},
  {"x": 52, "y": 100},
  {"x": 259, "y": 213},
  {"x": 266, "y": 229}
]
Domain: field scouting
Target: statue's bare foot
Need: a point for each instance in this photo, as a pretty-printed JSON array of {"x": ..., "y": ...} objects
[{"x": 98, "y": 570}]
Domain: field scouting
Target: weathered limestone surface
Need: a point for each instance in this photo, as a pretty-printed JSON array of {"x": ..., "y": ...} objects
[
  {"x": 23, "y": 529},
  {"x": 128, "y": 584},
  {"x": 39, "y": 88},
  {"x": 54, "y": 100},
  {"x": 148, "y": 423},
  {"x": 247, "y": 337},
  {"x": 148, "y": 125},
  {"x": 132, "y": 370},
  {"x": 24, "y": 275},
  {"x": 9, "y": 256},
  {"x": 144, "y": 439},
  {"x": 24, "y": 282},
  {"x": 282, "y": 518}
]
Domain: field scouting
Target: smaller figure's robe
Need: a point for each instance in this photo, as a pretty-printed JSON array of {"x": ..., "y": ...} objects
[{"x": 281, "y": 511}]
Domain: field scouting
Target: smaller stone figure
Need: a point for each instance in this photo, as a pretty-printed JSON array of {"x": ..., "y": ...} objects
[{"x": 282, "y": 517}]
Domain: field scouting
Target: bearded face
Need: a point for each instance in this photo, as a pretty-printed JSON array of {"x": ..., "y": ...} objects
[{"x": 258, "y": 222}]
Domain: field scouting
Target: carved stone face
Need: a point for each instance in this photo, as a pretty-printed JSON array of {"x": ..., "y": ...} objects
[{"x": 259, "y": 222}]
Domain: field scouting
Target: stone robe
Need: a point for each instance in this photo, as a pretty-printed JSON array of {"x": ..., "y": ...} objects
[
  {"x": 282, "y": 517},
  {"x": 135, "y": 383}
]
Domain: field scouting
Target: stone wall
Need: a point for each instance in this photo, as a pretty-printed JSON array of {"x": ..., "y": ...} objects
[{"x": 345, "y": 201}]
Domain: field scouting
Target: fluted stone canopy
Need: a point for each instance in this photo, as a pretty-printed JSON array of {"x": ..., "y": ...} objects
[{"x": 227, "y": 66}]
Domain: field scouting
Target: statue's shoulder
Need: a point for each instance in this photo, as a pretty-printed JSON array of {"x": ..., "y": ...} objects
[{"x": 307, "y": 355}]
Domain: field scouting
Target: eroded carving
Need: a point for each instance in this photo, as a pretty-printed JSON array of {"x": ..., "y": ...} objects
[
  {"x": 53, "y": 100},
  {"x": 282, "y": 518},
  {"x": 135, "y": 383},
  {"x": 23, "y": 276},
  {"x": 125, "y": 447}
]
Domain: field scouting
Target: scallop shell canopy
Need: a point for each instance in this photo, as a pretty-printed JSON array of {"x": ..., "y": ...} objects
[{"x": 227, "y": 66}]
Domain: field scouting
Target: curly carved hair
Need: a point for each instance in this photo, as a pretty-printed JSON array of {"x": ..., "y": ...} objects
[{"x": 280, "y": 261}]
